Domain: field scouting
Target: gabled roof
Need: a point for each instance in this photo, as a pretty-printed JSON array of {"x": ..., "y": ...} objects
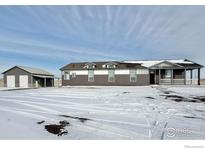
[
  {"x": 99, "y": 65},
  {"x": 181, "y": 62},
  {"x": 167, "y": 63},
  {"x": 31, "y": 70},
  {"x": 184, "y": 63}
]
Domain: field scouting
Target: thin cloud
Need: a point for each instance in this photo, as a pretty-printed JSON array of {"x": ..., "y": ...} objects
[{"x": 89, "y": 33}]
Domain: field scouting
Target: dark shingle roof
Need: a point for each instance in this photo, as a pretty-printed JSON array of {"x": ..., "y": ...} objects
[
  {"x": 132, "y": 64},
  {"x": 99, "y": 65}
]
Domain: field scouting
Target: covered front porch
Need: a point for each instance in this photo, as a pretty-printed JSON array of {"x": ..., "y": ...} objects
[{"x": 175, "y": 76}]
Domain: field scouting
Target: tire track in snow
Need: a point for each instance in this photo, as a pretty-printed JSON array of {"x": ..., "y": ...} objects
[{"x": 27, "y": 114}]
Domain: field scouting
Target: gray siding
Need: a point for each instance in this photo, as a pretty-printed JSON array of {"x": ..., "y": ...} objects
[
  {"x": 17, "y": 72},
  {"x": 102, "y": 80}
]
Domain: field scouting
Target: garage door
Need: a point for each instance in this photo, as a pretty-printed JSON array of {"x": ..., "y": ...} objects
[
  {"x": 23, "y": 81},
  {"x": 10, "y": 81}
]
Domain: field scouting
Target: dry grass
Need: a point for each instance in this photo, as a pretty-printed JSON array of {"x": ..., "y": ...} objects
[
  {"x": 1, "y": 83},
  {"x": 57, "y": 83},
  {"x": 202, "y": 81}
]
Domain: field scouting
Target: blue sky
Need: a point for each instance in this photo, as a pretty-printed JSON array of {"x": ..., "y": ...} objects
[{"x": 51, "y": 36}]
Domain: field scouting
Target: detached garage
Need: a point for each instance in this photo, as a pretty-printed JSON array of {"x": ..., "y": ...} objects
[{"x": 27, "y": 77}]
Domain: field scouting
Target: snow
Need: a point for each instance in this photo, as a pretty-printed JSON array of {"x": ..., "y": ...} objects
[
  {"x": 149, "y": 63},
  {"x": 114, "y": 113}
]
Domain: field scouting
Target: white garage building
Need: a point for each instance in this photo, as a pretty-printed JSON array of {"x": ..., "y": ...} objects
[{"x": 27, "y": 77}]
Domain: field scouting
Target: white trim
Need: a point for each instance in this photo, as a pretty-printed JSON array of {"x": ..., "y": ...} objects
[
  {"x": 66, "y": 75},
  {"x": 133, "y": 72},
  {"x": 100, "y": 72},
  {"x": 122, "y": 72},
  {"x": 91, "y": 78},
  {"x": 105, "y": 72},
  {"x": 142, "y": 71},
  {"x": 111, "y": 78},
  {"x": 79, "y": 72}
]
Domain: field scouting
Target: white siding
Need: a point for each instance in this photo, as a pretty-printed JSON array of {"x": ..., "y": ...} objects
[
  {"x": 79, "y": 72},
  {"x": 100, "y": 72},
  {"x": 165, "y": 65},
  {"x": 123, "y": 72},
  {"x": 142, "y": 71},
  {"x": 105, "y": 72}
]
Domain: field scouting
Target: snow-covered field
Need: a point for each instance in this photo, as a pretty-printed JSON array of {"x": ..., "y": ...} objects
[{"x": 149, "y": 112}]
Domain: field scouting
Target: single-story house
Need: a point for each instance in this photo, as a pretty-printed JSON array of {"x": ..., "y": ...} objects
[
  {"x": 128, "y": 73},
  {"x": 27, "y": 77}
]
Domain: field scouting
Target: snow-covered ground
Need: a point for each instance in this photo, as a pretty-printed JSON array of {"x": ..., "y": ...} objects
[{"x": 112, "y": 112}]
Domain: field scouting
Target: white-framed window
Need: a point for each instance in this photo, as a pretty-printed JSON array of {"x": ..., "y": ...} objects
[
  {"x": 109, "y": 65},
  {"x": 111, "y": 75},
  {"x": 90, "y": 75},
  {"x": 73, "y": 75},
  {"x": 66, "y": 76},
  {"x": 133, "y": 76},
  {"x": 89, "y": 66},
  {"x": 167, "y": 74}
]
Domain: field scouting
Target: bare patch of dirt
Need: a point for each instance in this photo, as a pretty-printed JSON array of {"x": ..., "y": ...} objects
[
  {"x": 199, "y": 98},
  {"x": 166, "y": 92},
  {"x": 40, "y": 122},
  {"x": 173, "y": 96},
  {"x": 191, "y": 117},
  {"x": 58, "y": 129},
  {"x": 150, "y": 97},
  {"x": 54, "y": 129},
  {"x": 200, "y": 110},
  {"x": 64, "y": 123},
  {"x": 125, "y": 92},
  {"x": 73, "y": 117},
  {"x": 178, "y": 98}
]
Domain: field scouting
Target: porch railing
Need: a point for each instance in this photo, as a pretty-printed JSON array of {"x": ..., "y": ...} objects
[
  {"x": 192, "y": 82},
  {"x": 179, "y": 81}
]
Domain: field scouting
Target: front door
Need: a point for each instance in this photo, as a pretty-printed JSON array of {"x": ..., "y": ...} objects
[{"x": 152, "y": 77}]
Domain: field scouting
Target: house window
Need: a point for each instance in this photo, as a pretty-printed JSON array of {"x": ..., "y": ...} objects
[
  {"x": 133, "y": 76},
  {"x": 109, "y": 65},
  {"x": 73, "y": 75},
  {"x": 111, "y": 75},
  {"x": 90, "y": 75},
  {"x": 89, "y": 66},
  {"x": 66, "y": 76},
  {"x": 167, "y": 74}
]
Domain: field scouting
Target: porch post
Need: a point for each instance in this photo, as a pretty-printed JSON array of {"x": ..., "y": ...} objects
[
  {"x": 159, "y": 75},
  {"x": 31, "y": 84},
  {"x": 191, "y": 75},
  {"x": 185, "y": 76},
  {"x": 199, "y": 76},
  {"x": 172, "y": 76},
  {"x": 51, "y": 82},
  {"x": 44, "y": 82}
]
